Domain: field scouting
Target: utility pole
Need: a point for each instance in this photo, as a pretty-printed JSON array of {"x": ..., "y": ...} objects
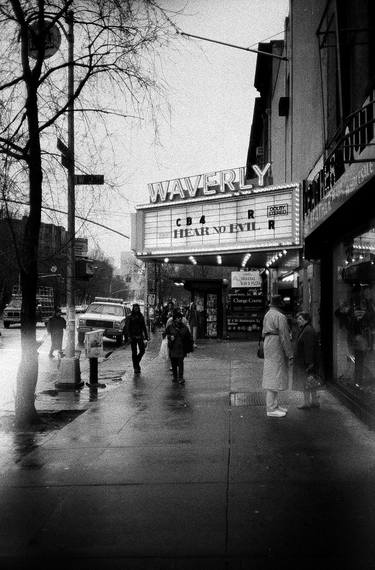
[{"x": 69, "y": 371}]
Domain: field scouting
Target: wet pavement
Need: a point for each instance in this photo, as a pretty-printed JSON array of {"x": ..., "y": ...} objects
[
  {"x": 112, "y": 370},
  {"x": 155, "y": 475}
]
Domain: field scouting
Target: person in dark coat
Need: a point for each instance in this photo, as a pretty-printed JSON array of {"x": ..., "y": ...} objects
[
  {"x": 136, "y": 332},
  {"x": 167, "y": 312},
  {"x": 180, "y": 343},
  {"x": 55, "y": 326},
  {"x": 192, "y": 317},
  {"x": 306, "y": 360}
]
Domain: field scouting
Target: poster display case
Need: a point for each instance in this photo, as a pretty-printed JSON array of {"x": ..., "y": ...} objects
[{"x": 211, "y": 311}]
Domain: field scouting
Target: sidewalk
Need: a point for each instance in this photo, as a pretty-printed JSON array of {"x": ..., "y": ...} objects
[
  {"x": 160, "y": 476},
  {"x": 111, "y": 371}
]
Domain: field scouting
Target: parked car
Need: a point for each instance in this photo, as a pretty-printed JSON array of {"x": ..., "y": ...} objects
[
  {"x": 44, "y": 308},
  {"x": 104, "y": 313}
]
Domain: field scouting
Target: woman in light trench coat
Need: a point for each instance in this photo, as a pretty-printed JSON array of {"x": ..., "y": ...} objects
[{"x": 278, "y": 354}]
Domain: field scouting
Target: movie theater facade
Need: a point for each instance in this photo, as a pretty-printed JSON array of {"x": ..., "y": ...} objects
[{"x": 249, "y": 231}]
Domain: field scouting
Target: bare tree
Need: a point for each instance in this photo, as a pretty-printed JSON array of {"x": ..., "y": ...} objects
[{"x": 115, "y": 47}]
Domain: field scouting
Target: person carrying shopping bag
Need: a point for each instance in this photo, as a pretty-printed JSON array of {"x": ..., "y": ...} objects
[{"x": 180, "y": 344}]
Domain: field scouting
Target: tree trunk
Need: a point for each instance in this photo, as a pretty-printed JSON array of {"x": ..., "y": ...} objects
[{"x": 27, "y": 376}]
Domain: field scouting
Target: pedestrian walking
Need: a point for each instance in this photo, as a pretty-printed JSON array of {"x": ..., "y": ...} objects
[
  {"x": 170, "y": 321},
  {"x": 192, "y": 319},
  {"x": 180, "y": 344},
  {"x": 136, "y": 332},
  {"x": 183, "y": 319},
  {"x": 167, "y": 312},
  {"x": 306, "y": 362},
  {"x": 55, "y": 327},
  {"x": 278, "y": 354}
]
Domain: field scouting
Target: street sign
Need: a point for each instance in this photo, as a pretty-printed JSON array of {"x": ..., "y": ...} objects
[
  {"x": 89, "y": 179},
  {"x": 62, "y": 147},
  {"x": 52, "y": 40}
]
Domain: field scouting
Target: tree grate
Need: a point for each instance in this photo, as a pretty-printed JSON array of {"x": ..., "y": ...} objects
[{"x": 238, "y": 399}]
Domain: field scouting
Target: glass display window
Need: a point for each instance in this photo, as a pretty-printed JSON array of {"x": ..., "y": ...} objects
[{"x": 354, "y": 315}]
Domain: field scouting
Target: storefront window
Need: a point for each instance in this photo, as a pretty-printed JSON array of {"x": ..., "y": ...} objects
[{"x": 354, "y": 316}]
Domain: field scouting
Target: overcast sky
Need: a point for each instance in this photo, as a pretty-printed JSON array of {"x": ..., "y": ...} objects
[{"x": 211, "y": 97}]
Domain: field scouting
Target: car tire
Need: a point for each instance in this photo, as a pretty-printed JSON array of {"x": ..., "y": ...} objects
[
  {"x": 81, "y": 338},
  {"x": 6, "y": 325}
]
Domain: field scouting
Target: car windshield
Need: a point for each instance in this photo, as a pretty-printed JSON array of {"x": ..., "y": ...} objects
[{"x": 115, "y": 310}]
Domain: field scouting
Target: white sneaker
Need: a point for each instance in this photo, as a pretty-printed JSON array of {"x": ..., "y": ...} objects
[
  {"x": 276, "y": 413},
  {"x": 282, "y": 409}
]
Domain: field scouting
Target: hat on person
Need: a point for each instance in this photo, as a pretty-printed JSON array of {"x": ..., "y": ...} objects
[{"x": 277, "y": 301}]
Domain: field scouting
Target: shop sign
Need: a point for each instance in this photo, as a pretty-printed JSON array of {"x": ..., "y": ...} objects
[
  {"x": 220, "y": 182},
  {"x": 248, "y": 279},
  {"x": 270, "y": 218},
  {"x": 356, "y": 176}
]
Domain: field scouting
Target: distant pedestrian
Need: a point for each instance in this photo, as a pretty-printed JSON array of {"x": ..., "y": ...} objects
[
  {"x": 192, "y": 318},
  {"x": 306, "y": 361},
  {"x": 183, "y": 319},
  {"x": 180, "y": 344},
  {"x": 55, "y": 327},
  {"x": 167, "y": 312},
  {"x": 136, "y": 332},
  {"x": 278, "y": 354}
]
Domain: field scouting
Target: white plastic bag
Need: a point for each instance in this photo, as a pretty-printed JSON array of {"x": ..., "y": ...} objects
[{"x": 164, "y": 352}]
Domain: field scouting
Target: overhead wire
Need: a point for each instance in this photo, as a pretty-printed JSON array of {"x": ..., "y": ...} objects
[{"x": 63, "y": 212}]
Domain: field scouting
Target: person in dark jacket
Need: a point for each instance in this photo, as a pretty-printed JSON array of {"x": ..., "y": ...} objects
[
  {"x": 167, "y": 312},
  {"x": 306, "y": 360},
  {"x": 55, "y": 326},
  {"x": 180, "y": 343},
  {"x": 136, "y": 332},
  {"x": 192, "y": 317}
]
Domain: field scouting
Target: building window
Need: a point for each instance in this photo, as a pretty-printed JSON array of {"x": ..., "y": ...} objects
[{"x": 346, "y": 45}]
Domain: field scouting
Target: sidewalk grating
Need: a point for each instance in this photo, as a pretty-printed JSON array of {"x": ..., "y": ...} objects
[{"x": 251, "y": 399}]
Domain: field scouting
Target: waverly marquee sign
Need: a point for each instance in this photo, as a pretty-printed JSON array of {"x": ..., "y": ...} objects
[
  {"x": 265, "y": 217},
  {"x": 220, "y": 182}
]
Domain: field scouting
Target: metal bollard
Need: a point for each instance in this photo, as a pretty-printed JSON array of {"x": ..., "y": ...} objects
[{"x": 93, "y": 363}]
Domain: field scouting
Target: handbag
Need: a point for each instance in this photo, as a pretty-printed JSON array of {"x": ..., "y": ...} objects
[
  {"x": 260, "y": 351},
  {"x": 313, "y": 381}
]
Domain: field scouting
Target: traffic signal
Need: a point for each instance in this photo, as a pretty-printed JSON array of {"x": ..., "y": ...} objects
[{"x": 84, "y": 268}]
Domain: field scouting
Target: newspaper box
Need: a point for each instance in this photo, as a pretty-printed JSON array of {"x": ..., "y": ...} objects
[{"x": 94, "y": 343}]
